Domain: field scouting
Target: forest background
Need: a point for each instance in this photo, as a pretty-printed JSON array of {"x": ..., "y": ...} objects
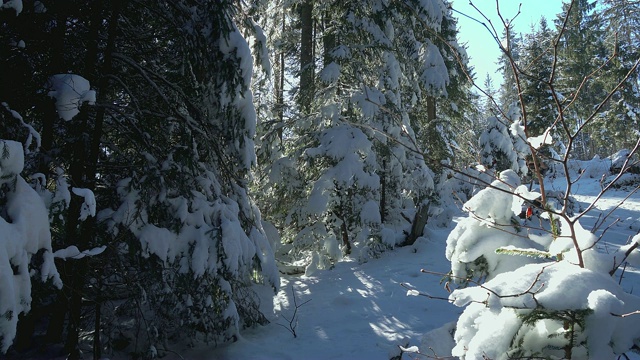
[{"x": 162, "y": 159}]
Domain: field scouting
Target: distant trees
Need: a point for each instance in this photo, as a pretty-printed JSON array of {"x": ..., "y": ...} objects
[
  {"x": 619, "y": 125},
  {"x": 591, "y": 48}
]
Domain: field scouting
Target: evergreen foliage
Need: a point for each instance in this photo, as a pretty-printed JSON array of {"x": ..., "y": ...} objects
[
  {"x": 166, "y": 151},
  {"x": 377, "y": 84},
  {"x": 157, "y": 134}
]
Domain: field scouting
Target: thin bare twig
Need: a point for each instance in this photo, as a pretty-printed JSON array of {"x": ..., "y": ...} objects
[{"x": 293, "y": 322}]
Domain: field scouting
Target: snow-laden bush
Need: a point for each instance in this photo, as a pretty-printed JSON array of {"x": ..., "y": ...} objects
[
  {"x": 624, "y": 159},
  {"x": 24, "y": 232},
  {"x": 454, "y": 189},
  {"x": 492, "y": 224},
  {"x": 553, "y": 310},
  {"x": 503, "y": 147},
  {"x": 548, "y": 292}
]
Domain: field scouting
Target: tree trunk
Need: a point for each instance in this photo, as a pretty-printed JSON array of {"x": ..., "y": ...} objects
[
  {"x": 83, "y": 173},
  {"x": 422, "y": 213},
  {"x": 328, "y": 39},
  {"x": 279, "y": 86},
  {"x": 431, "y": 108},
  {"x": 97, "y": 345},
  {"x": 383, "y": 192},
  {"x": 306, "y": 55},
  {"x": 418, "y": 224},
  {"x": 55, "y": 329},
  {"x": 345, "y": 237}
]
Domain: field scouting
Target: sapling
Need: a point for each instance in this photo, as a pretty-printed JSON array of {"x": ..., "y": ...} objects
[{"x": 541, "y": 289}]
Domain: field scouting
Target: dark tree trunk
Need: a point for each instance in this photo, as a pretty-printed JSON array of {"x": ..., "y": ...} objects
[
  {"x": 279, "y": 86},
  {"x": 431, "y": 108},
  {"x": 306, "y": 55},
  {"x": 345, "y": 237},
  {"x": 383, "y": 192},
  {"x": 328, "y": 39},
  {"x": 422, "y": 213},
  {"x": 418, "y": 224},
  {"x": 83, "y": 172},
  {"x": 97, "y": 344}
]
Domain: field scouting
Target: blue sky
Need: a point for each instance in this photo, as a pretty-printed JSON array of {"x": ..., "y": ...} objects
[{"x": 481, "y": 47}]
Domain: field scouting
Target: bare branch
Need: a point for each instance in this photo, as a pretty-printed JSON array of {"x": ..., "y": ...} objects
[
  {"x": 493, "y": 292},
  {"x": 406, "y": 286}
]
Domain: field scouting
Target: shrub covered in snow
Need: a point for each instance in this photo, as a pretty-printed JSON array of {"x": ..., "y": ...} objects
[
  {"x": 553, "y": 310},
  {"x": 503, "y": 147},
  {"x": 24, "y": 232},
  {"x": 492, "y": 224},
  {"x": 548, "y": 290}
]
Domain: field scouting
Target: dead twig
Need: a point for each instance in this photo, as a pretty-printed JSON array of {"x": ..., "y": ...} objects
[{"x": 293, "y": 322}]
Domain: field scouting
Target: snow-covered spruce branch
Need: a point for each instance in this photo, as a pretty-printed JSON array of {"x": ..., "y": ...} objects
[
  {"x": 528, "y": 290},
  {"x": 415, "y": 148},
  {"x": 293, "y": 322},
  {"x": 456, "y": 53}
]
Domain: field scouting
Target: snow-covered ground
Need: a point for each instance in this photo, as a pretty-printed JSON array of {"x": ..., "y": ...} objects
[
  {"x": 355, "y": 311},
  {"x": 362, "y": 311}
]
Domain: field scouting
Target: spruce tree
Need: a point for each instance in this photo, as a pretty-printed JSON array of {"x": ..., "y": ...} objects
[
  {"x": 380, "y": 72},
  {"x": 166, "y": 150},
  {"x": 580, "y": 52},
  {"x": 619, "y": 125},
  {"x": 536, "y": 63}
]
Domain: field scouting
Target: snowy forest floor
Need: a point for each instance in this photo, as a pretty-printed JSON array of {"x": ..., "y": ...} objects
[{"x": 361, "y": 311}]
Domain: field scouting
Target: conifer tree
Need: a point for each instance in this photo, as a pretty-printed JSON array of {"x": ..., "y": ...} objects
[
  {"x": 377, "y": 80},
  {"x": 165, "y": 153},
  {"x": 619, "y": 125},
  {"x": 580, "y": 52},
  {"x": 511, "y": 49},
  {"x": 536, "y": 64}
]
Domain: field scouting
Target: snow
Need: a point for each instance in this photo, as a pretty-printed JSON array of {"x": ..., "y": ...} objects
[
  {"x": 24, "y": 230},
  {"x": 12, "y": 4},
  {"x": 369, "y": 101},
  {"x": 88, "y": 207},
  {"x": 72, "y": 252},
  {"x": 356, "y": 312},
  {"x": 552, "y": 285},
  {"x": 11, "y": 159},
  {"x": 331, "y": 73},
  {"x": 435, "y": 76},
  {"x": 70, "y": 91},
  {"x": 234, "y": 46},
  {"x": 498, "y": 140},
  {"x": 362, "y": 311},
  {"x": 544, "y": 139},
  {"x": 38, "y": 7},
  {"x": 370, "y": 213}
]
